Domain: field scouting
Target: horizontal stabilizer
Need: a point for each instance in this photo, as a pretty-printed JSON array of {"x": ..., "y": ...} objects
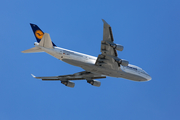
[{"x": 32, "y": 50}]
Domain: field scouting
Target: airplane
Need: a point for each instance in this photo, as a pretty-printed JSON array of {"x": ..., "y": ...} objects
[{"x": 106, "y": 64}]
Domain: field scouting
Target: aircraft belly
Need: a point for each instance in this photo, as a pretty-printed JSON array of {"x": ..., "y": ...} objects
[
  {"x": 113, "y": 73},
  {"x": 101, "y": 70},
  {"x": 91, "y": 67},
  {"x": 133, "y": 77}
]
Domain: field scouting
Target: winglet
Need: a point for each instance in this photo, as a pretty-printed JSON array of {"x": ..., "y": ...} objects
[
  {"x": 104, "y": 22},
  {"x": 33, "y": 76}
]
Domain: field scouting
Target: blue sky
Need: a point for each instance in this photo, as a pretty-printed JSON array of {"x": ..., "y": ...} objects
[{"x": 148, "y": 30}]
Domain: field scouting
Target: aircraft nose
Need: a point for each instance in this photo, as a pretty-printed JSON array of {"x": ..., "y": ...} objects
[{"x": 148, "y": 78}]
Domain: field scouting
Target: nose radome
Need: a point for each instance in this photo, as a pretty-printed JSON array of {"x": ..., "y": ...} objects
[{"x": 149, "y": 78}]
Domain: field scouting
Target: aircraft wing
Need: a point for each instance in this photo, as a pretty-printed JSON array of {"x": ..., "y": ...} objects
[
  {"x": 108, "y": 52},
  {"x": 77, "y": 76}
]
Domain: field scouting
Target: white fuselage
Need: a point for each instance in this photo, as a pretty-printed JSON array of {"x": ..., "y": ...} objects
[{"x": 87, "y": 62}]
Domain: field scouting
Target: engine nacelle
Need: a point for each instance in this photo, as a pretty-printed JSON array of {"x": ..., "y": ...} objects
[
  {"x": 94, "y": 83},
  {"x": 68, "y": 83},
  {"x": 118, "y": 47},
  {"x": 122, "y": 62}
]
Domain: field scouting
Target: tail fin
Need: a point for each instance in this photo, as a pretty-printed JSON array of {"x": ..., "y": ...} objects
[
  {"x": 46, "y": 41},
  {"x": 38, "y": 33}
]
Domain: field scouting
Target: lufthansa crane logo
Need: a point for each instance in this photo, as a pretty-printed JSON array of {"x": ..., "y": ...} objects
[{"x": 39, "y": 34}]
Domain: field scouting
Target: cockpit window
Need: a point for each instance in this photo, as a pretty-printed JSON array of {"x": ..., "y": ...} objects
[
  {"x": 144, "y": 71},
  {"x": 137, "y": 68}
]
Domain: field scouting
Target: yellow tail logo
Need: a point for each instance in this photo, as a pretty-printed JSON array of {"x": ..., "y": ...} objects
[{"x": 39, "y": 34}]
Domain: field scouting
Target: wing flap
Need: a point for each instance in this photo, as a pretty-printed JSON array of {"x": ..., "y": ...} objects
[{"x": 107, "y": 62}]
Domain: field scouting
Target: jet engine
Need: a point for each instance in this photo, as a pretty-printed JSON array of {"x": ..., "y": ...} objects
[
  {"x": 122, "y": 62},
  {"x": 94, "y": 82},
  {"x": 117, "y": 47},
  {"x": 68, "y": 83}
]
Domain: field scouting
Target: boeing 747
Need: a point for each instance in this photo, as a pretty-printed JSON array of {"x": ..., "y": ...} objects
[{"x": 106, "y": 64}]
